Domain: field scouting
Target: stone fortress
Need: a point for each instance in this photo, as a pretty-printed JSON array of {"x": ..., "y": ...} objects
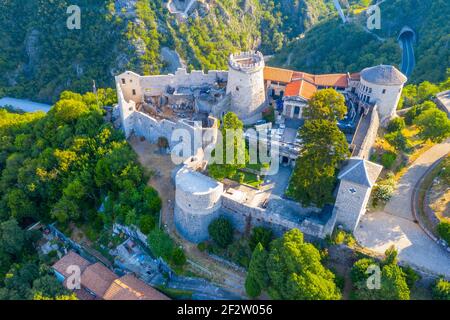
[{"x": 155, "y": 106}]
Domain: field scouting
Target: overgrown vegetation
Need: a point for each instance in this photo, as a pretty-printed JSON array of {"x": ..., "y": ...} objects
[
  {"x": 331, "y": 46},
  {"x": 62, "y": 167},
  {"x": 392, "y": 283},
  {"x": 324, "y": 149},
  {"x": 290, "y": 269}
]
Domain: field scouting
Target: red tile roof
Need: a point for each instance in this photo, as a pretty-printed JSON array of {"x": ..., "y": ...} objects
[
  {"x": 97, "y": 278},
  {"x": 332, "y": 80},
  {"x": 300, "y": 88},
  {"x": 278, "y": 74},
  {"x": 304, "y": 84},
  {"x": 70, "y": 259},
  {"x": 131, "y": 288}
]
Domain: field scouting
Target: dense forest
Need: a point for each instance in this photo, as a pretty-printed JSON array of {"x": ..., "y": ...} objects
[
  {"x": 40, "y": 57},
  {"x": 61, "y": 167},
  {"x": 331, "y": 46}
]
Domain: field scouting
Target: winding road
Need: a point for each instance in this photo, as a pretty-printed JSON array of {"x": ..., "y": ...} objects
[
  {"x": 408, "y": 58},
  {"x": 396, "y": 224}
]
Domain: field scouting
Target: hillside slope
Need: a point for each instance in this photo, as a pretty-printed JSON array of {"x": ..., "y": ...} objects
[
  {"x": 334, "y": 47},
  {"x": 40, "y": 56}
]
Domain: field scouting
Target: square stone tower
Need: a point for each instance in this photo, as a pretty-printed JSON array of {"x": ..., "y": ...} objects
[{"x": 357, "y": 179}]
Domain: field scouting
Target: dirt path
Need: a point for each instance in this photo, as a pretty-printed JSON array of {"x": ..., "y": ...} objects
[{"x": 162, "y": 167}]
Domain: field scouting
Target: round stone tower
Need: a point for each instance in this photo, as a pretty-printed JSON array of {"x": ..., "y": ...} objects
[
  {"x": 246, "y": 85},
  {"x": 382, "y": 85},
  {"x": 198, "y": 200}
]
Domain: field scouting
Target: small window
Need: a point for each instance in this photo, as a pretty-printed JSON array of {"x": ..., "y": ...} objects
[
  {"x": 123, "y": 80},
  {"x": 237, "y": 88},
  {"x": 352, "y": 190},
  {"x": 384, "y": 91},
  {"x": 134, "y": 92}
]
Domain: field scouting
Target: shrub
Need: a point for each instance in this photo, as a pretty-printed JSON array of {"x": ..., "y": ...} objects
[
  {"x": 260, "y": 235},
  {"x": 445, "y": 173},
  {"x": 147, "y": 223},
  {"x": 202, "y": 246},
  {"x": 178, "y": 257},
  {"x": 388, "y": 159},
  {"x": 396, "y": 124},
  {"x": 252, "y": 287},
  {"x": 441, "y": 290},
  {"x": 417, "y": 110},
  {"x": 240, "y": 253},
  {"x": 411, "y": 276},
  {"x": 390, "y": 255},
  {"x": 221, "y": 231},
  {"x": 161, "y": 245},
  {"x": 398, "y": 140},
  {"x": 382, "y": 193},
  {"x": 443, "y": 229},
  {"x": 359, "y": 269}
]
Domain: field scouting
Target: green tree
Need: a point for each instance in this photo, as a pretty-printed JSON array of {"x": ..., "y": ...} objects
[
  {"x": 147, "y": 223},
  {"x": 257, "y": 278},
  {"x": 441, "y": 290},
  {"x": 223, "y": 165},
  {"x": 417, "y": 110},
  {"x": 396, "y": 124},
  {"x": 434, "y": 125},
  {"x": 260, "y": 235},
  {"x": 296, "y": 271},
  {"x": 178, "y": 257},
  {"x": 398, "y": 140},
  {"x": 221, "y": 231},
  {"x": 160, "y": 244},
  {"x": 12, "y": 237},
  {"x": 324, "y": 149},
  {"x": 327, "y": 104}
]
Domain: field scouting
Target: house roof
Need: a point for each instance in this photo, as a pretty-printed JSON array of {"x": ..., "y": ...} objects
[
  {"x": 339, "y": 80},
  {"x": 97, "y": 278},
  {"x": 129, "y": 287},
  {"x": 360, "y": 171},
  {"x": 384, "y": 75},
  {"x": 70, "y": 259},
  {"x": 277, "y": 74},
  {"x": 300, "y": 88}
]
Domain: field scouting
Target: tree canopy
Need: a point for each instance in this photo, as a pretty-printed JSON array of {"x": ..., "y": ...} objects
[{"x": 294, "y": 269}]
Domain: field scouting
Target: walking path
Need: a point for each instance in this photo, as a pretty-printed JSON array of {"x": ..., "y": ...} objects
[
  {"x": 228, "y": 278},
  {"x": 396, "y": 224}
]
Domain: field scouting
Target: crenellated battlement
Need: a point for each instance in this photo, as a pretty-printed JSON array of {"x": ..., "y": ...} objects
[{"x": 246, "y": 61}]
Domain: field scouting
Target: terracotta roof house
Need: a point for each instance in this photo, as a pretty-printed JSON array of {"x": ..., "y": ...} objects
[
  {"x": 278, "y": 75},
  {"x": 129, "y": 287},
  {"x": 98, "y": 282},
  {"x": 70, "y": 259},
  {"x": 97, "y": 279}
]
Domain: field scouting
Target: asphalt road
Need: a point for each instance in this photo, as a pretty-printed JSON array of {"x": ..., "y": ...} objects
[
  {"x": 408, "y": 58},
  {"x": 396, "y": 226}
]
